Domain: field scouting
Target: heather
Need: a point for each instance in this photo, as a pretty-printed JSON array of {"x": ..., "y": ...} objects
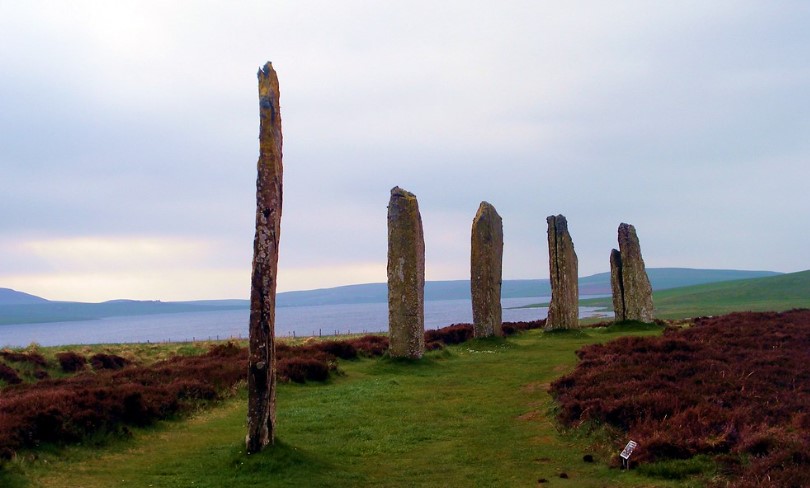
[
  {"x": 735, "y": 387},
  {"x": 469, "y": 414},
  {"x": 477, "y": 412},
  {"x": 111, "y": 397},
  {"x": 108, "y": 393},
  {"x": 459, "y": 333}
]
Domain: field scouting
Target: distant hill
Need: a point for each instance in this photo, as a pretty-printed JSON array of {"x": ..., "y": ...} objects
[
  {"x": 770, "y": 293},
  {"x": 773, "y": 293},
  {"x": 31, "y": 313},
  {"x": 598, "y": 284},
  {"x": 17, "y": 307},
  {"x": 13, "y": 297}
]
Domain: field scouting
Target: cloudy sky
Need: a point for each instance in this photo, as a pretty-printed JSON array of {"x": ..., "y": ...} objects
[{"x": 128, "y": 137}]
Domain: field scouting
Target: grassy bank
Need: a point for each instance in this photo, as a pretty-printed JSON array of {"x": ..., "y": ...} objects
[
  {"x": 477, "y": 414},
  {"x": 772, "y": 293}
]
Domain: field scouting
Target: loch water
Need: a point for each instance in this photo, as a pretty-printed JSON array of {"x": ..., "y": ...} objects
[{"x": 323, "y": 320}]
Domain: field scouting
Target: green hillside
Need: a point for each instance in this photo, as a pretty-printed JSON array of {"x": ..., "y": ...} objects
[
  {"x": 782, "y": 292},
  {"x": 777, "y": 293}
]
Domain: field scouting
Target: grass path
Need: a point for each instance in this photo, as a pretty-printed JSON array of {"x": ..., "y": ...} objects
[{"x": 473, "y": 415}]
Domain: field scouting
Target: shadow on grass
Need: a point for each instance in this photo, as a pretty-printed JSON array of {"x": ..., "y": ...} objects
[
  {"x": 679, "y": 469},
  {"x": 427, "y": 365},
  {"x": 287, "y": 465},
  {"x": 11, "y": 477}
]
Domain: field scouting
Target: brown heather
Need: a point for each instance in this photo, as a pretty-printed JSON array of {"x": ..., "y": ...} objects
[
  {"x": 116, "y": 393},
  {"x": 735, "y": 387}
]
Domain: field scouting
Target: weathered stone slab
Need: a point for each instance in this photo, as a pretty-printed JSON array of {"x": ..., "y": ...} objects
[
  {"x": 261, "y": 418},
  {"x": 616, "y": 285},
  {"x": 406, "y": 276},
  {"x": 563, "y": 311},
  {"x": 634, "y": 295},
  {"x": 486, "y": 264}
]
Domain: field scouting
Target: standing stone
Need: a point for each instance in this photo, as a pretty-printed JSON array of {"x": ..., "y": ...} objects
[
  {"x": 632, "y": 293},
  {"x": 563, "y": 311},
  {"x": 406, "y": 276},
  {"x": 486, "y": 263},
  {"x": 261, "y": 418},
  {"x": 616, "y": 285}
]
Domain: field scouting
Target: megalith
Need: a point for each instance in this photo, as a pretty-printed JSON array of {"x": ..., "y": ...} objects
[
  {"x": 616, "y": 285},
  {"x": 406, "y": 276},
  {"x": 486, "y": 264},
  {"x": 261, "y": 417},
  {"x": 632, "y": 293},
  {"x": 563, "y": 311}
]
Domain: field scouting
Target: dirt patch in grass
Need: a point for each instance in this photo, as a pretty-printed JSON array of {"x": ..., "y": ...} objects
[
  {"x": 531, "y": 415},
  {"x": 536, "y": 386}
]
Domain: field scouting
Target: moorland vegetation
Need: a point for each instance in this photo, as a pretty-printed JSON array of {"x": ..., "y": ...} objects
[
  {"x": 735, "y": 387},
  {"x": 713, "y": 401},
  {"x": 107, "y": 393}
]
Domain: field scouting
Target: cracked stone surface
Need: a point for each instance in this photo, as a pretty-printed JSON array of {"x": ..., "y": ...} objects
[
  {"x": 406, "y": 276},
  {"x": 632, "y": 292},
  {"x": 563, "y": 311},
  {"x": 261, "y": 417},
  {"x": 486, "y": 265}
]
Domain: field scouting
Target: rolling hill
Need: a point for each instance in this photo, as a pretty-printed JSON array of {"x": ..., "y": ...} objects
[
  {"x": 17, "y": 307},
  {"x": 770, "y": 293},
  {"x": 598, "y": 284},
  {"x": 14, "y": 297}
]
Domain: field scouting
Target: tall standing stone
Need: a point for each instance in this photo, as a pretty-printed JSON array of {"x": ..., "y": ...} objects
[
  {"x": 261, "y": 417},
  {"x": 563, "y": 311},
  {"x": 616, "y": 285},
  {"x": 406, "y": 276},
  {"x": 632, "y": 293},
  {"x": 486, "y": 264}
]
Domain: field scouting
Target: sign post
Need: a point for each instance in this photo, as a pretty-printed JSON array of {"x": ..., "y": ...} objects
[{"x": 627, "y": 452}]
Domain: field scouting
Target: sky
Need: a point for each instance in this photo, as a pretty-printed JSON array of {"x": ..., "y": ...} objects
[{"x": 129, "y": 137}]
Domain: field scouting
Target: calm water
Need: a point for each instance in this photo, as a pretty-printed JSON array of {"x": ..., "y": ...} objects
[{"x": 301, "y": 321}]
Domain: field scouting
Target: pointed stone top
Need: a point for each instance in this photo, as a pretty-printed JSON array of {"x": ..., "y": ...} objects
[
  {"x": 399, "y": 192},
  {"x": 267, "y": 69},
  {"x": 627, "y": 232},
  {"x": 559, "y": 222},
  {"x": 486, "y": 207},
  {"x": 268, "y": 87}
]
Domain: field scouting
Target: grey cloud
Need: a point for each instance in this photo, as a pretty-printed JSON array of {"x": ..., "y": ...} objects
[{"x": 659, "y": 115}]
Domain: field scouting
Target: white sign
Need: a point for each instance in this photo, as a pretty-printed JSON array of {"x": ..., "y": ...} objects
[{"x": 628, "y": 450}]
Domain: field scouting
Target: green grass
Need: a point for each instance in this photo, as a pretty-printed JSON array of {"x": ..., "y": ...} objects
[
  {"x": 772, "y": 293},
  {"x": 679, "y": 469},
  {"x": 477, "y": 414}
]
